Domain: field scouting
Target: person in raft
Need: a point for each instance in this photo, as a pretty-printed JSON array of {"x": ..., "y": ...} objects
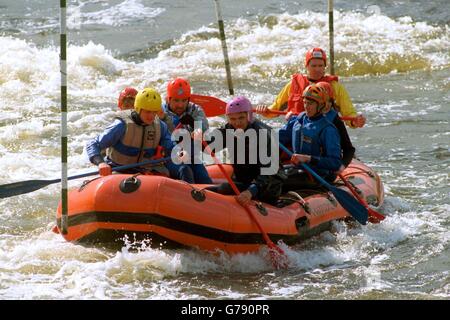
[
  {"x": 247, "y": 173},
  {"x": 135, "y": 136},
  {"x": 126, "y": 98},
  {"x": 290, "y": 96},
  {"x": 177, "y": 106},
  {"x": 347, "y": 149},
  {"x": 314, "y": 140}
]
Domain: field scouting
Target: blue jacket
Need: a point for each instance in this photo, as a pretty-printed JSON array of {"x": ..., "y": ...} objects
[
  {"x": 317, "y": 137},
  {"x": 113, "y": 135}
]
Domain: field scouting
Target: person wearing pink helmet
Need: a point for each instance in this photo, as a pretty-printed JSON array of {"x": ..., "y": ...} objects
[
  {"x": 247, "y": 173},
  {"x": 290, "y": 97}
]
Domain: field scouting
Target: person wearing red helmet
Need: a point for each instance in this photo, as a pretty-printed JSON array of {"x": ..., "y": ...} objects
[
  {"x": 178, "y": 103},
  {"x": 176, "y": 107},
  {"x": 290, "y": 97},
  {"x": 126, "y": 98}
]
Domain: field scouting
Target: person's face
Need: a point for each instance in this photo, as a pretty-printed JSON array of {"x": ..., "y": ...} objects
[
  {"x": 315, "y": 69},
  {"x": 238, "y": 120},
  {"x": 128, "y": 103},
  {"x": 178, "y": 106},
  {"x": 147, "y": 116},
  {"x": 310, "y": 107}
]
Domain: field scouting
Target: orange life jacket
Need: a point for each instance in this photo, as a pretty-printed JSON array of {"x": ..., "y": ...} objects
[{"x": 298, "y": 85}]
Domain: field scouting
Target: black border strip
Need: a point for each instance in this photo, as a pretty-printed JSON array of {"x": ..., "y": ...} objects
[{"x": 175, "y": 224}]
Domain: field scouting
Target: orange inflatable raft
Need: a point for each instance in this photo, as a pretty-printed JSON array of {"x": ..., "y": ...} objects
[{"x": 173, "y": 213}]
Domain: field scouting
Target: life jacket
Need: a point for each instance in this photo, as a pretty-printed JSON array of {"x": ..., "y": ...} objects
[
  {"x": 298, "y": 85},
  {"x": 306, "y": 137},
  {"x": 331, "y": 115},
  {"x": 139, "y": 143}
]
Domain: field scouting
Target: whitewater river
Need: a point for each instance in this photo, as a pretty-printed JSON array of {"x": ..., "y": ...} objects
[{"x": 393, "y": 58}]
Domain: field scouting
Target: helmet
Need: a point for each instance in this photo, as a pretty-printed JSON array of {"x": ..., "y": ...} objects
[
  {"x": 315, "y": 53},
  {"x": 326, "y": 86},
  {"x": 318, "y": 94},
  {"x": 178, "y": 88},
  {"x": 148, "y": 99},
  {"x": 128, "y": 92},
  {"x": 240, "y": 104}
]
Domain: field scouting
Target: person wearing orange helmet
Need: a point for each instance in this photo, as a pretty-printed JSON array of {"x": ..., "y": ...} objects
[
  {"x": 290, "y": 97},
  {"x": 126, "y": 98},
  {"x": 176, "y": 107},
  {"x": 348, "y": 150},
  {"x": 314, "y": 140}
]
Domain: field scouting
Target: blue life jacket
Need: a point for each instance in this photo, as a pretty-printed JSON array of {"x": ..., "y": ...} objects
[
  {"x": 331, "y": 115},
  {"x": 306, "y": 136}
]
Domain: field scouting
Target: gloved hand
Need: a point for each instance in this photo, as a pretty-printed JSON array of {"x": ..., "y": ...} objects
[
  {"x": 244, "y": 198},
  {"x": 262, "y": 109},
  {"x": 300, "y": 158},
  {"x": 187, "y": 120},
  {"x": 161, "y": 115},
  {"x": 359, "y": 121},
  {"x": 104, "y": 169}
]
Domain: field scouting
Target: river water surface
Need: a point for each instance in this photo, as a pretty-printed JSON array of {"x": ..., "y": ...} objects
[{"x": 393, "y": 58}]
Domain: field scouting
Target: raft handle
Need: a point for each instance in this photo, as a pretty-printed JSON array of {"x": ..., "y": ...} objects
[
  {"x": 130, "y": 184},
  {"x": 198, "y": 195},
  {"x": 261, "y": 208},
  {"x": 301, "y": 201}
]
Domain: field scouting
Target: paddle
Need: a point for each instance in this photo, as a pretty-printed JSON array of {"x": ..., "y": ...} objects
[
  {"x": 356, "y": 209},
  {"x": 214, "y": 107},
  {"x": 277, "y": 255},
  {"x": 347, "y": 118},
  {"x": 22, "y": 187},
  {"x": 376, "y": 216}
]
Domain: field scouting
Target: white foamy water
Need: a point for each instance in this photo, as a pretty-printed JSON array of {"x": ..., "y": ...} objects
[{"x": 117, "y": 15}]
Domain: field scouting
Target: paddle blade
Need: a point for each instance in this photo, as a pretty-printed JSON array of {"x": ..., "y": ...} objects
[
  {"x": 356, "y": 209},
  {"x": 377, "y": 217},
  {"x": 278, "y": 257},
  {"x": 16, "y": 188},
  {"x": 212, "y": 106}
]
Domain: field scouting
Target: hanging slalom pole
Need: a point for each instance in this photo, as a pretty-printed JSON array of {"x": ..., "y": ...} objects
[
  {"x": 224, "y": 46},
  {"x": 331, "y": 34},
  {"x": 63, "y": 70}
]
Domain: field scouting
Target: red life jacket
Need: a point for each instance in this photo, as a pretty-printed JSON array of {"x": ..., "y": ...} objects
[{"x": 298, "y": 85}]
